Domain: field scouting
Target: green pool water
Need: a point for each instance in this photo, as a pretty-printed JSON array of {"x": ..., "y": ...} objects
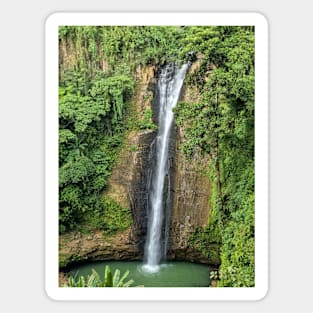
[{"x": 172, "y": 274}]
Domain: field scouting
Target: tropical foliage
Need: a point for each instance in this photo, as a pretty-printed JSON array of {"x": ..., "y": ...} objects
[
  {"x": 94, "y": 279},
  {"x": 97, "y": 80},
  {"x": 221, "y": 124},
  {"x": 90, "y": 134}
]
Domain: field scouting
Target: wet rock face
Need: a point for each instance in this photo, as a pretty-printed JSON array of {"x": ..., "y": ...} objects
[
  {"x": 191, "y": 192},
  {"x": 128, "y": 184},
  {"x": 134, "y": 180},
  {"x": 190, "y": 204}
]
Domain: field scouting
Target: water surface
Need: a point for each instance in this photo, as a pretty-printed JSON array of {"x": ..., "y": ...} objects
[{"x": 171, "y": 274}]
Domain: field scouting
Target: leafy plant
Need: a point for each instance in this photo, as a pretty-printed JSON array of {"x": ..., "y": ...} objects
[
  {"x": 90, "y": 135},
  {"x": 110, "y": 217},
  {"x": 146, "y": 122},
  {"x": 134, "y": 148},
  {"x": 94, "y": 280}
]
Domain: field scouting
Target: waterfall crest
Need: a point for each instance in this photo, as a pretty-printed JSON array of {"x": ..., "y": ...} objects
[{"x": 169, "y": 86}]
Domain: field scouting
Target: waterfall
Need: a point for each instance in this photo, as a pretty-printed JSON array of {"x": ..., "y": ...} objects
[{"x": 169, "y": 86}]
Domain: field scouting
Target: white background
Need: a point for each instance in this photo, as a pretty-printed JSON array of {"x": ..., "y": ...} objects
[{"x": 22, "y": 156}]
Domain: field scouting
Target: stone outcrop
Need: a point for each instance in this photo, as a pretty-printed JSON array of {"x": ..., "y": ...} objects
[{"x": 75, "y": 247}]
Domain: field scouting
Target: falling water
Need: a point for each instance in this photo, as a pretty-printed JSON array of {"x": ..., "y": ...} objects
[{"x": 169, "y": 86}]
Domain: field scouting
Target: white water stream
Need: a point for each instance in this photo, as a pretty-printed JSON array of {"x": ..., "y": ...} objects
[{"x": 169, "y": 86}]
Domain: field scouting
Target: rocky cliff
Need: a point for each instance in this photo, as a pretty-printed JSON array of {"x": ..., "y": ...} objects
[
  {"x": 129, "y": 181},
  {"x": 190, "y": 192}
]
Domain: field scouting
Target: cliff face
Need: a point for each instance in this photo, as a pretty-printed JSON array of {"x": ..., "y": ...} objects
[
  {"x": 190, "y": 205},
  {"x": 191, "y": 194},
  {"x": 189, "y": 186},
  {"x": 128, "y": 185},
  {"x": 129, "y": 181}
]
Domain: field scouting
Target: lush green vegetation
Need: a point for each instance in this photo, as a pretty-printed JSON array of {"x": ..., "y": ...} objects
[
  {"x": 94, "y": 280},
  {"x": 97, "y": 81},
  {"x": 117, "y": 47},
  {"x": 146, "y": 122},
  {"x": 110, "y": 217},
  {"x": 90, "y": 134},
  {"x": 221, "y": 124}
]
